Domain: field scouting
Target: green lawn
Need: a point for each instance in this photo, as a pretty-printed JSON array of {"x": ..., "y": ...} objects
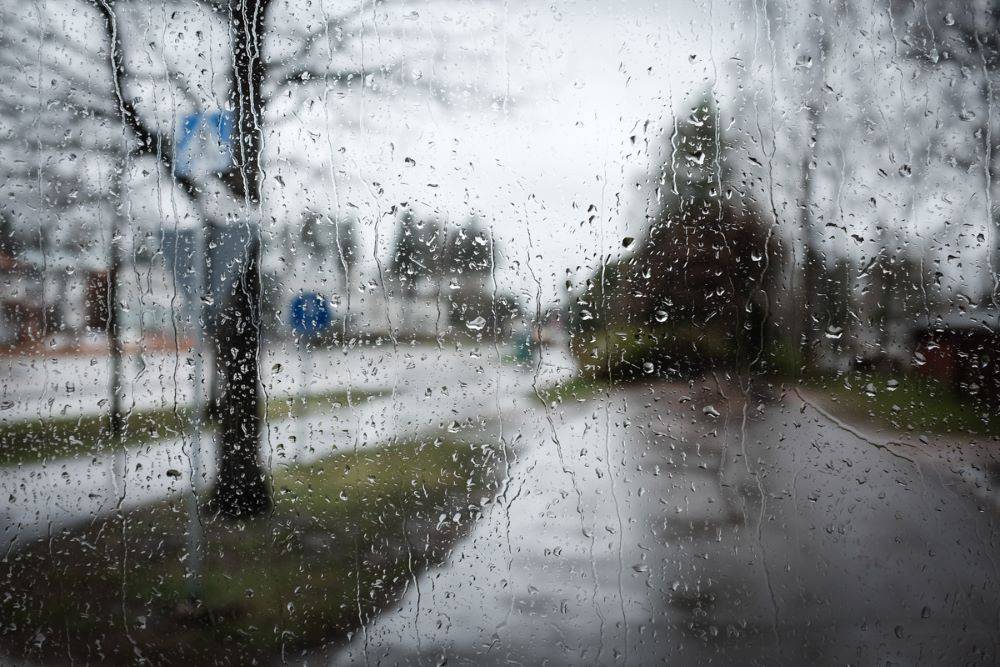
[
  {"x": 347, "y": 536},
  {"x": 577, "y": 388},
  {"x": 33, "y": 440},
  {"x": 907, "y": 403},
  {"x": 903, "y": 402}
]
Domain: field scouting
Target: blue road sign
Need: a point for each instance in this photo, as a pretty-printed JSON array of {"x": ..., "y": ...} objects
[
  {"x": 204, "y": 142},
  {"x": 310, "y": 313}
]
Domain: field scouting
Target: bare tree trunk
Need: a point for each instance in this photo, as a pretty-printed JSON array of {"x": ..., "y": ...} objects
[
  {"x": 242, "y": 488},
  {"x": 116, "y": 420}
]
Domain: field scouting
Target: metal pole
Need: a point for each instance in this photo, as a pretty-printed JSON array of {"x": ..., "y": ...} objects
[
  {"x": 116, "y": 420},
  {"x": 194, "y": 531},
  {"x": 305, "y": 367}
]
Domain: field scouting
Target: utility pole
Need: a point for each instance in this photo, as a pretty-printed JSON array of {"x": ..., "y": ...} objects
[
  {"x": 198, "y": 412},
  {"x": 116, "y": 421}
]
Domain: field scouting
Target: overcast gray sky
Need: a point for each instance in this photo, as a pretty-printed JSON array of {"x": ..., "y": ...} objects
[{"x": 584, "y": 77}]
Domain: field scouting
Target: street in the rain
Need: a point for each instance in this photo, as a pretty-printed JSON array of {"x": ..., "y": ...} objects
[
  {"x": 680, "y": 521},
  {"x": 688, "y": 523},
  {"x": 436, "y": 332}
]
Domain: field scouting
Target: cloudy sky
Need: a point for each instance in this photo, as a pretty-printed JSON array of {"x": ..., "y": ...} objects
[
  {"x": 565, "y": 97},
  {"x": 554, "y": 117}
]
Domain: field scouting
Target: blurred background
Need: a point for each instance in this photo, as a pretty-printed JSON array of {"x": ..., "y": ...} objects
[{"x": 486, "y": 332}]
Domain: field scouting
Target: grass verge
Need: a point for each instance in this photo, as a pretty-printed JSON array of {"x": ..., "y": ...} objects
[
  {"x": 579, "y": 388},
  {"x": 34, "y": 440},
  {"x": 906, "y": 403},
  {"x": 347, "y": 535}
]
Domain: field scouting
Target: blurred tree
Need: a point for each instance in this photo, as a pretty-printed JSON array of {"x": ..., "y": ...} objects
[
  {"x": 692, "y": 292},
  {"x": 345, "y": 244},
  {"x": 326, "y": 240},
  {"x": 415, "y": 255},
  {"x": 10, "y": 244},
  {"x": 414, "y": 261},
  {"x": 468, "y": 250},
  {"x": 312, "y": 237},
  {"x": 470, "y": 258},
  {"x": 956, "y": 43}
]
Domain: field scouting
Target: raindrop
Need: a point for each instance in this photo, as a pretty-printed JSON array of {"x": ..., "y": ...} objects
[{"x": 476, "y": 324}]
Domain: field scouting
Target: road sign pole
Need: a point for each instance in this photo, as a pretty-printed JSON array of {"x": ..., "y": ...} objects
[
  {"x": 305, "y": 368},
  {"x": 310, "y": 315},
  {"x": 194, "y": 532},
  {"x": 188, "y": 162}
]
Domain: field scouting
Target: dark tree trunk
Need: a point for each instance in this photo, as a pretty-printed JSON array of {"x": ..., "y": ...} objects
[
  {"x": 116, "y": 420},
  {"x": 242, "y": 488}
]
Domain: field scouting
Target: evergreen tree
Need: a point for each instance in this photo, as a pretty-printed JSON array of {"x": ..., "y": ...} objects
[{"x": 691, "y": 292}]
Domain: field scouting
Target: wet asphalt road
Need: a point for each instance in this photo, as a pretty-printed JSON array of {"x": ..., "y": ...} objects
[{"x": 639, "y": 528}]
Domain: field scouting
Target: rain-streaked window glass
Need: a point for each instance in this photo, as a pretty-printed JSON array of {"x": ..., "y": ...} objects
[{"x": 488, "y": 332}]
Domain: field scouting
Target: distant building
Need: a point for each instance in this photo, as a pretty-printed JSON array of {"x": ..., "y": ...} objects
[{"x": 963, "y": 350}]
